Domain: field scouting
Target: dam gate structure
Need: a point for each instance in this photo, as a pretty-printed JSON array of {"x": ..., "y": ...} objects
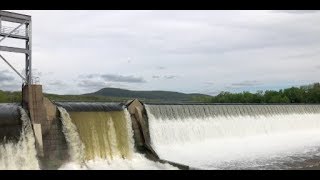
[
  {"x": 49, "y": 140},
  {"x": 22, "y": 31}
]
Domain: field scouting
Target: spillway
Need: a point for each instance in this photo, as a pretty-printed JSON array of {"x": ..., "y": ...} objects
[
  {"x": 100, "y": 136},
  {"x": 242, "y": 136},
  {"x": 104, "y": 130},
  {"x": 203, "y": 136},
  {"x": 90, "y": 107},
  {"x": 20, "y": 154}
]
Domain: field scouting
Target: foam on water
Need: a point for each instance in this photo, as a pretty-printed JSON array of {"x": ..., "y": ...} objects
[
  {"x": 137, "y": 162},
  {"x": 259, "y": 152},
  {"x": 75, "y": 145},
  {"x": 21, "y": 155},
  {"x": 267, "y": 141}
]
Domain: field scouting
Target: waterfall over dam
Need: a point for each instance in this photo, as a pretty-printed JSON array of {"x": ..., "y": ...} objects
[
  {"x": 164, "y": 136},
  {"x": 21, "y": 154},
  {"x": 229, "y": 136},
  {"x": 100, "y": 136},
  {"x": 105, "y": 130}
]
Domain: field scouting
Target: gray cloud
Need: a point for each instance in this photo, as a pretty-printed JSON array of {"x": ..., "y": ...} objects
[
  {"x": 94, "y": 84},
  {"x": 114, "y": 78},
  {"x": 209, "y": 83},
  {"x": 246, "y": 84},
  {"x": 120, "y": 78},
  {"x": 161, "y": 67},
  {"x": 304, "y": 55},
  {"x": 164, "y": 77},
  {"x": 5, "y": 77},
  {"x": 8, "y": 82},
  {"x": 170, "y": 77},
  {"x": 57, "y": 83},
  {"x": 227, "y": 47},
  {"x": 36, "y": 72},
  {"x": 11, "y": 86},
  {"x": 90, "y": 76}
]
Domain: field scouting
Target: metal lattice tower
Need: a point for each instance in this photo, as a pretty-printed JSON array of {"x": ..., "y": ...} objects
[{"x": 22, "y": 32}]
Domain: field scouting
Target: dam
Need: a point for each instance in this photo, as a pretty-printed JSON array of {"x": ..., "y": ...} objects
[
  {"x": 166, "y": 136},
  {"x": 41, "y": 134},
  {"x": 80, "y": 136}
]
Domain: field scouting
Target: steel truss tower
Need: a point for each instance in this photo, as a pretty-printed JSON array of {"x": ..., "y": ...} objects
[{"x": 22, "y": 32}]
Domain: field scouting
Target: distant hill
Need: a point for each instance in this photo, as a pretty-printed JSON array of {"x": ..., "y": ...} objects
[
  {"x": 303, "y": 94},
  {"x": 112, "y": 95},
  {"x": 167, "y": 96}
]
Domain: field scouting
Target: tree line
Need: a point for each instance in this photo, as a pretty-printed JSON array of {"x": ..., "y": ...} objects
[
  {"x": 302, "y": 94},
  {"x": 9, "y": 97}
]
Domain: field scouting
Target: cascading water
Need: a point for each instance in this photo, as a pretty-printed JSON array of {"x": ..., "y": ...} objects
[
  {"x": 102, "y": 140},
  {"x": 104, "y": 134},
  {"x": 236, "y": 136},
  {"x": 75, "y": 145},
  {"x": 20, "y": 155}
]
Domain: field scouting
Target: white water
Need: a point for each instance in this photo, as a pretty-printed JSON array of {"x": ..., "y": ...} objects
[
  {"x": 135, "y": 161},
  {"x": 20, "y": 155},
  {"x": 75, "y": 146},
  {"x": 236, "y": 142}
]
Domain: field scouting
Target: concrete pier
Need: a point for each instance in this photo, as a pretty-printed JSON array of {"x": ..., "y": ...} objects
[
  {"x": 141, "y": 128},
  {"x": 141, "y": 135},
  {"x": 51, "y": 145},
  {"x": 32, "y": 101}
]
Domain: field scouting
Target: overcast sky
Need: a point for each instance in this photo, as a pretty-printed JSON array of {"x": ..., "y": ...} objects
[{"x": 188, "y": 51}]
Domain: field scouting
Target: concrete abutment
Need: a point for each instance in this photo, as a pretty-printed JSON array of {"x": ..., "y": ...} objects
[
  {"x": 52, "y": 149},
  {"x": 142, "y": 138}
]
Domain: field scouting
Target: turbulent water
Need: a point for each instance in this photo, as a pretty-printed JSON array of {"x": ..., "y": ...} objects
[
  {"x": 137, "y": 162},
  {"x": 75, "y": 145},
  {"x": 201, "y": 136},
  {"x": 20, "y": 155},
  {"x": 104, "y": 134},
  {"x": 237, "y": 136},
  {"x": 102, "y": 140}
]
